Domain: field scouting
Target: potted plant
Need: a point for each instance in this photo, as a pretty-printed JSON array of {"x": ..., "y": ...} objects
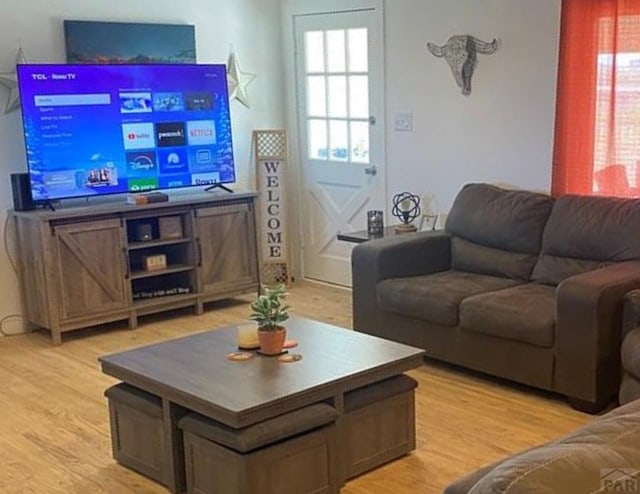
[{"x": 269, "y": 311}]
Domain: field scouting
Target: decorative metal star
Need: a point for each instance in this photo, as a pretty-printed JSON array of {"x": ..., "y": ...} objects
[
  {"x": 10, "y": 81},
  {"x": 237, "y": 80}
]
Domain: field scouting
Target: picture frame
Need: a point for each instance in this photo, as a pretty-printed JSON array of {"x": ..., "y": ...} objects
[
  {"x": 129, "y": 42},
  {"x": 428, "y": 222}
]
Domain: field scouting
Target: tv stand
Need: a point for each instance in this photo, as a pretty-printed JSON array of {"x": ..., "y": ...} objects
[
  {"x": 218, "y": 186},
  {"x": 89, "y": 265}
]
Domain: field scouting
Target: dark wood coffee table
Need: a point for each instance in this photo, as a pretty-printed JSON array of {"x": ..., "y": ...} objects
[{"x": 194, "y": 374}]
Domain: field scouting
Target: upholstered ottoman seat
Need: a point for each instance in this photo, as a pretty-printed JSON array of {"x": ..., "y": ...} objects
[{"x": 293, "y": 453}]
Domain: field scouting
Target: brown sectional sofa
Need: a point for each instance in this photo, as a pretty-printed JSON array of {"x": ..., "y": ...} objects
[
  {"x": 600, "y": 457},
  {"x": 519, "y": 285}
]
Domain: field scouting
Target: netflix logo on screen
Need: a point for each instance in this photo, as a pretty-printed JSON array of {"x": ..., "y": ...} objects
[
  {"x": 170, "y": 134},
  {"x": 201, "y": 132}
]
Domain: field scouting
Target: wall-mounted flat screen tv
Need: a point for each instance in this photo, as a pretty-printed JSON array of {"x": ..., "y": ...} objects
[{"x": 105, "y": 129}]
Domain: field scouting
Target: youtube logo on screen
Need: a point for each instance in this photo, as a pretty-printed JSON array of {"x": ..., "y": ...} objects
[{"x": 138, "y": 136}]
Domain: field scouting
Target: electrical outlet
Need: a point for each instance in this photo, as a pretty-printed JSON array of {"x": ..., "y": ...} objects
[{"x": 403, "y": 122}]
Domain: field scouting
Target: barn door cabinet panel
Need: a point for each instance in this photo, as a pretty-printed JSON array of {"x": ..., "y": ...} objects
[
  {"x": 227, "y": 251},
  {"x": 90, "y": 264},
  {"x": 84, "y": 266}
]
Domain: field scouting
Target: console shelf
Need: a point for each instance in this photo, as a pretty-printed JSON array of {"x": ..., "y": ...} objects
[
  {"x": 137, "y": 275},
  {"x": 169, "y": 299},
  {"x": 157, "y": 243},
  {"x": 81, "y": 266}
]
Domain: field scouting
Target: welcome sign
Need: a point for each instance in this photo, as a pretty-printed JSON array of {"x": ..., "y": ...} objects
[
  {"x": 272, "y": 214},
  {"x": 271, "y": 162}
]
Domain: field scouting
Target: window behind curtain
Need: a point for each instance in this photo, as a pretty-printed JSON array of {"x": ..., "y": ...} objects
[{"x": 597, "y": 140}]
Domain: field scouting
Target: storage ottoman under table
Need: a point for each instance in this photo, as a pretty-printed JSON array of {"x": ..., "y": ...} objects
[
  {"x": 137, "y": 433},
  {"x": 293, "y": 453},
  {"x": 380, "y": 423}
]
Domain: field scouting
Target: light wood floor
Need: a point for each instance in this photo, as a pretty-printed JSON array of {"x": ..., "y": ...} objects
[{"x": 54, "y": 430}]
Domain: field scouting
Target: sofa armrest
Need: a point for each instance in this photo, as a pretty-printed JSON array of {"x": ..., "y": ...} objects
[
  {"x": 402, "y": 255},
  {"x": 394, "y": 257},
  {"x": 588, "y": 331}
]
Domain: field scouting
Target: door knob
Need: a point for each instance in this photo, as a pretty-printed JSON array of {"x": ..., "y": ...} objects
[{"x": 371, "y": 170}]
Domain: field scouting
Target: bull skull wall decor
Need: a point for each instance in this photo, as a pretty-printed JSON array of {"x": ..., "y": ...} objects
[{"x": 460, "y": 53}]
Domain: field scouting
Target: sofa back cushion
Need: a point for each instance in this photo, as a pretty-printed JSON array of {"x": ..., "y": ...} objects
[
  {"x": 585, "y": 233},
  {"x": 497, "y": 231}
]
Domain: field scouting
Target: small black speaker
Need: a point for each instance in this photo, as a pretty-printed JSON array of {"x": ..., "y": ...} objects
[
  {"x": 21, "y": 190},
  {"x": 144, "y": 232}
]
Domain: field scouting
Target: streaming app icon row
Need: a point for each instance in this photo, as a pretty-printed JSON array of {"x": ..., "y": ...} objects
[
  {"x": 148, "y": 135},
  {"x": 170, "y": 160},
  {"x": 147, "y": 102}
]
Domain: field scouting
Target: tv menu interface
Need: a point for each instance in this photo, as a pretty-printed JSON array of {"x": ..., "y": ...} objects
[{"x": 103, "y": 129}]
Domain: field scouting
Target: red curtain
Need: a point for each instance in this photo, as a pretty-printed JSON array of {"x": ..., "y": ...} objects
[{"x": 597, "y": 133}]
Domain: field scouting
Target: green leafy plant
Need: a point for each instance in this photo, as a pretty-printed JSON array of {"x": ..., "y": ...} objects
[{"x": 269, "y": 310}]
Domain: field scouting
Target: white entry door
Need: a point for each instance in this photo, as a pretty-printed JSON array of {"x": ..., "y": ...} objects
[{"x": 340, "y": 120}]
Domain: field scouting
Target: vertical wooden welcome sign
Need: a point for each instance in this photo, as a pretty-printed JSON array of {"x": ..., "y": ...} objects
[{"x": 271, "y": 162}]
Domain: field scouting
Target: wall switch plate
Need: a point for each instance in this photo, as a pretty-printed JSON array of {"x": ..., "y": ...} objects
[{"x": 403, "y": 122}]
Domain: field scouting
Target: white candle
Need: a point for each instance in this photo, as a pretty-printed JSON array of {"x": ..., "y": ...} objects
[{"x": 248, "y": 336}]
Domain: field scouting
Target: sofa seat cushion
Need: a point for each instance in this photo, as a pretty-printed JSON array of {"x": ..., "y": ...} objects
[
  {"x": 577, "y": 463},
  {"x": 523, "y": 313},
  {"x": 631, "y": 353},
  {"x": 435, "y": 297},
  {"x": 263, "y": 433}
]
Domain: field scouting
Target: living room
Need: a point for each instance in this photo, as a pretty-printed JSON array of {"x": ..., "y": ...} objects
[{"x": 430, "y": 139}]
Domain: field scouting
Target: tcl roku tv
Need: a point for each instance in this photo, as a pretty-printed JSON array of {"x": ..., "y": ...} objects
[{"x": 106, "y": 129}]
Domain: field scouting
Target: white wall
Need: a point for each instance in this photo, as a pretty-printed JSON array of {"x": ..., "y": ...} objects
[
  {"x": 503, "y": 131},
  {"x": 252, "y": 26}
]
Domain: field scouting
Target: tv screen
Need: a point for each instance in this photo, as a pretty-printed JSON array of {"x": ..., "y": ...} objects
[{"x": 106, "y": 129}]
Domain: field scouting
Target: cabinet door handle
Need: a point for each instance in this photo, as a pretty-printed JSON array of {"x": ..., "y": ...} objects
[
  {"x": 125, "y": 257},
  {"x": 199, "y": 246}
]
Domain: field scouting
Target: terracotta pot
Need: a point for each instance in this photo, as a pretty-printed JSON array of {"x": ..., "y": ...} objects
[{"x": 271, "y": 342}]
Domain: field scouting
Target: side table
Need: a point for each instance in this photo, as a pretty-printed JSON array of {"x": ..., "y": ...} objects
[{"x": 363, "y": 236}]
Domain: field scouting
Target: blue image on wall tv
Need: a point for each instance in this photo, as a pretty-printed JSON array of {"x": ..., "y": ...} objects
[{"x": 108, "y": 129}]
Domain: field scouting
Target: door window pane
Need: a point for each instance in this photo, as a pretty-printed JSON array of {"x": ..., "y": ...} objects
[
  {"x": 336, "y": 51},
  {"x": 338, "y": 96},
  {"x": 339, "y": 139},
  {"x": 317, "y": 139},
  {"x": 360, "y": 142},
  {"x": 358, "y": 49},
  {"x": 316, "y": 96},
  {"x": 359, "y": 96},
  {"x": 314, "y": 50}
]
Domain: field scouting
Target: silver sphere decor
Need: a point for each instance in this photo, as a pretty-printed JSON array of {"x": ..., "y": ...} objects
[{"x": 406, "y": 207}]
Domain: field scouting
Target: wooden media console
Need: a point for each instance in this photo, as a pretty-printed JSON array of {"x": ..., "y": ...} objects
[{"x": 83, "y": 266}]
